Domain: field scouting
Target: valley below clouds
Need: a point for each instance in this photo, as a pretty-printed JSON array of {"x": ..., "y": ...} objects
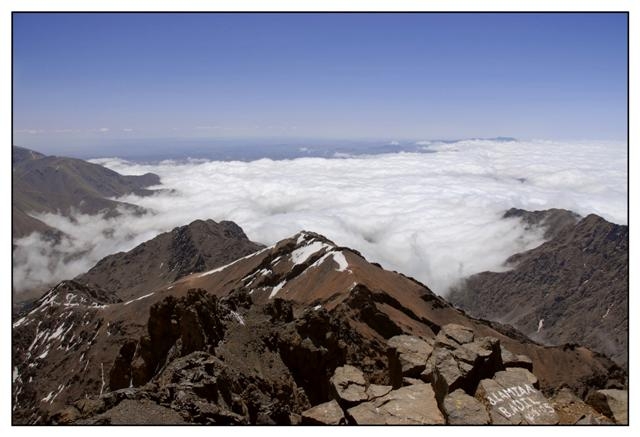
[{"x": 432, "y": 216}]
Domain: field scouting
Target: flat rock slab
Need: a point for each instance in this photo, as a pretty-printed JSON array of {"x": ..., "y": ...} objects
[
  {"x": 511, "y": 398},
  {"x": 348, "y": 386},
  {"x": 452, "y": 335},
  {"x": 411, "y": 405},
  {"x": 612, "y": 403},
  {"x": 328, "y": 413},
  {"x": 510, "y": 359},
  {"x": 462, "y": 409}
]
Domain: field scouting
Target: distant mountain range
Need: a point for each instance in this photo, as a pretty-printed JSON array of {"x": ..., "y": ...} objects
[{"x": 59, "y": 185}]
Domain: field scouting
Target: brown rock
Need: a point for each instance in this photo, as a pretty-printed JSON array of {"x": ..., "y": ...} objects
[
  {"x": 447, "y": 375},
  {"x": 66, "y": 416},
  {"x": 509, "y": 359},
  {"x": 612, "y": 403},
  {"x": 461, "y": 409},
  {"x": 328, "y": 413},
  {"x": 375, "y": 391},
  {"x": 412, "y": 405},
  {"x": 572, "y": 410},
  {"x": 348, "y": 386},
  {"x": 452, "y": 335},
  {"x": 407, "y": 357}
]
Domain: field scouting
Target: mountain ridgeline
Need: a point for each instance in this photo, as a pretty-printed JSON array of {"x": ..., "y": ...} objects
[
  {"x": 574, "y": 288},
  {"x": 201, "y": 325},
  {"x": 61, "y": 185}
]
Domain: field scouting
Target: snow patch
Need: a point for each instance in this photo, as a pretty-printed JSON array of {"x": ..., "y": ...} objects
[
  {"x": 540, "y": 325},
  {"x": 15, "y": 375},
  {"x": 19, "y": 322},
  {"x": 238, "y": 317},
  {"x": 219, "y": 269},
  {"x": 303, "y": 253},
  {"x": 139, "y": 298},
  {"x": 277, "y": 288},
  {"x": 317, "y": 307},
  {"x": 338, "y": 258},
  {"x": 47, "y": 398}
]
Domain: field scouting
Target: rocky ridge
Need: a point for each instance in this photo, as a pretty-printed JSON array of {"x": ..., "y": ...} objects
[{"x": 293, "y": 333}]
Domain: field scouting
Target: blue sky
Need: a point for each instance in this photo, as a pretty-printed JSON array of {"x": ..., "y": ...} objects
[{"x": 90, "y": 79}]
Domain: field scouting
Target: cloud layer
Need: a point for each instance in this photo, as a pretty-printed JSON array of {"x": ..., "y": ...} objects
[{"x": 434, "y": 216}]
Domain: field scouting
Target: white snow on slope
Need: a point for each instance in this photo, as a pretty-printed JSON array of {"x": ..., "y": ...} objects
[
  {"x": 277, "y": 288},
  {"x": 138, "y": 298},
  {"x": 303, "y": 253}
]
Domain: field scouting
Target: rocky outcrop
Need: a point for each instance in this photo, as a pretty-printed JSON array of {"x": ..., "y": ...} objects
[
  {"x": 411, "y": 405},
  {"x": 407, "y": 357}
]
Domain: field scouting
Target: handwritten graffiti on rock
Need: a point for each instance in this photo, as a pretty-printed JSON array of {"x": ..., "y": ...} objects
[{"x": 524, "y": 400}]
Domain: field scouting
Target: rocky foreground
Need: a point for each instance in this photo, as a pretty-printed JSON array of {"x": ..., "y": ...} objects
[{"x": 300, "y": 332}]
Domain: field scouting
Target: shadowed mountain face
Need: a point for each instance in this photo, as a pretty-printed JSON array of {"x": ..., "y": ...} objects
[
  {"x": 199, "y": 246},
  {"x": 266, "y": 337},
  {"x": 58, "y": 185},
  {"x": 572, "y": 289}
]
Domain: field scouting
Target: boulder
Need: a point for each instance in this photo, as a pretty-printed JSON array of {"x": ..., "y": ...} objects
[
  {"x": 411, "y": 405},
  {"x": 461, "y": 409},
  {"x": 328, "y": 413},
  {"x": 407, "y": 356},
  {"x": 447, "y": 375},
  {"x": 512, "y": 398},
  {"x": 348, "y": 386},
  {"x": 452, "y": 336},
  {"x": 510, "y": 359},
  {"x": 612, "y": 403},
  {"x": 572, "y": 410}
]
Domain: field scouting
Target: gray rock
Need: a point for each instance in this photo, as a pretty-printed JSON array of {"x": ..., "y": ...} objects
[
  {"x": 512, "y": 395},
  {"x": 328, "y": 413},
  {"x": 407, "y": 356},
  {"x": 348, "y": 386},
  {"x": 452, "y": 335},
  {"x": 447, "y": 375},
  {"x": 612, "y": 403},
  {"x": 510, "y": 359},
  {"x": 461, "y": 409},
  {"x": 411, "y": 405}
]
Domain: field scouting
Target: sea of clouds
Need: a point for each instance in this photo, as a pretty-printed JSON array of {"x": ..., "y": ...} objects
[{"x": 434, "y": 216}]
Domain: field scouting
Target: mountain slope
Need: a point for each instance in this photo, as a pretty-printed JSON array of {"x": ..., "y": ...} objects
[
  {"x": 199, "y": 246},
  {"x": 253, "y": 341},
  {"x": 58, "y": 185},
  {"x": 572, "y": 289}
]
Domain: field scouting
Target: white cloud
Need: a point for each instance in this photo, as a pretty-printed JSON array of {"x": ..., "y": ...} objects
[
  {"x": 433, "y": 216},
  {"x": 394, "y": 143},
  {"x": 103, "y": 130}
]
